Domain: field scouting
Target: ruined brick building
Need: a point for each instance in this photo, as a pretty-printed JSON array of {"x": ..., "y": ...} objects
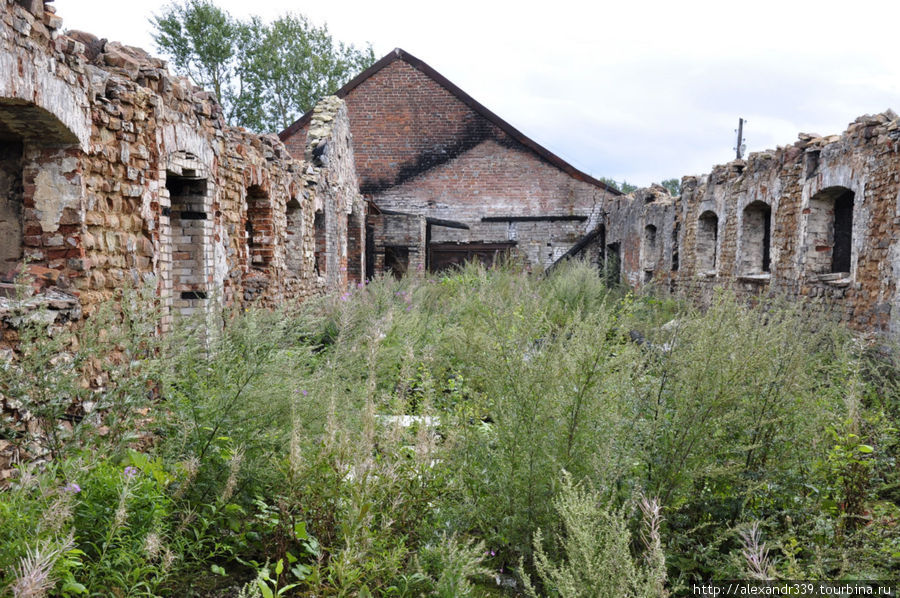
[
  {"x": 447, "y": 180},
  {"x": 816, "y": 220},
  {"x": 113, "y": 171}
]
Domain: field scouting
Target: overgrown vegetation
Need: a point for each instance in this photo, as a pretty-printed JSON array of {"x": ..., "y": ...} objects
[{"x": 436, "y": 437}]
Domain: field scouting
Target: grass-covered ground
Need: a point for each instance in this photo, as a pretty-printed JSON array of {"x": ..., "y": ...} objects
[{"x": 566, "y": 439}]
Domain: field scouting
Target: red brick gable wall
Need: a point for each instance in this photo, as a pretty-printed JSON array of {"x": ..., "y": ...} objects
[{"x": 404, "y": 123}]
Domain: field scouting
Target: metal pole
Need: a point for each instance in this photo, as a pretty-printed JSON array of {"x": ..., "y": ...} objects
[{"x": 740, "y": 137}]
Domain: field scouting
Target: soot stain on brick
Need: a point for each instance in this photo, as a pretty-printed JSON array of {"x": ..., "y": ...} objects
[
  {"x": 516, "y": 145},
  {"x": 474, "y": 134}
]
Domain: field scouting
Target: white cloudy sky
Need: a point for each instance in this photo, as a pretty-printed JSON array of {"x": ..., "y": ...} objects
[{"x": 634, "y": 90}]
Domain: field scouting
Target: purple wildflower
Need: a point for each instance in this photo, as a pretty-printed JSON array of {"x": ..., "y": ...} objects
[
  {"x": 130, "y": 472},
  {"x": 72, "y": 488},
  {"x": 304, "y": 392}
]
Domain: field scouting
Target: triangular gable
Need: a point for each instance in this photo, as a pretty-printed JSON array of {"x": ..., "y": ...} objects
[{"x": 512, "y": 132}]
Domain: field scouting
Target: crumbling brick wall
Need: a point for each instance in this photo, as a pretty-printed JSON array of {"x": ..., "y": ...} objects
[
  {"x": 398, "y": 243},
  {"x": 639, "y": 243},
  {"x": 331, "y": 174},
  {"x": 115, "y": 172},
  {"x": 816, "y": 220}
]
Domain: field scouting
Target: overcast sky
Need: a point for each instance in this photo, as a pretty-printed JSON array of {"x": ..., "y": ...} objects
[{"x": 631, "y": 90}]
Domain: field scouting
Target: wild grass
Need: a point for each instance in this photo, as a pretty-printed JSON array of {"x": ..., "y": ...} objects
[{"x": 425, "y": 437}]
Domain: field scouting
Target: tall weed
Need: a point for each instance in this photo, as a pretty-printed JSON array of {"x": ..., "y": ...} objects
[{"x": 405, "y": 438}]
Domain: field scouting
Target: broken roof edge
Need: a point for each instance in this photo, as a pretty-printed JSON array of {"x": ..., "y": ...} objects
[{"x": 400, "y": 54}]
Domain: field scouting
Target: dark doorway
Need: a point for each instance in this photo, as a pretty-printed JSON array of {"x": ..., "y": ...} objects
[
  {"x": 447, "y": 255},
  {"x": 370, "y": 251},
  {"x": 396, "y": 260},
  {"x": 675, "y": 260},
  {"x": 321, "y": 237},
  {"x": 613, "y": 266},
  {"x": 11, "y": 204}
]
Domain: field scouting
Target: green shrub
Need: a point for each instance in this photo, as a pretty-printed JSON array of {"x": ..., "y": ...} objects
[
  {"x": 596, "y": 559},
  {"x": 405, "y": 438}
]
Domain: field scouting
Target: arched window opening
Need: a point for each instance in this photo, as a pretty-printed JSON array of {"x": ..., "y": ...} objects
[
  {"x": 321, "y": 249},
  {"x": 650, "y": 250},
  {"x": 756, "y": 238},
  {"x": 707, "y": 241},
  {"x": 675, "y": 255},
  {"x": 260, "y": 233},
  {"x": 189, "y": 223},
  {"x": 355, "y": 244},
  {"x": 293, "y": 243},
  {"x": 830, "y": 231},
  {"x": 35, "y": 163},
  {"x": 650, "y": 253},
  {"x": 11, "y": 202}
]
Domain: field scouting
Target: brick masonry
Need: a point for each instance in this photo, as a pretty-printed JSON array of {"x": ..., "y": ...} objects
[
  {"x": 114, "y": 172},
  {"x": 830, "y": 236},
  {"x": 424, "y": 147}
]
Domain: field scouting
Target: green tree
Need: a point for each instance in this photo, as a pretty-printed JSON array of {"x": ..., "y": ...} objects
[
  {"x": 673, "y": 185},
  {"x": 265, "y": 75},
  {"x": 289, "y": 65},
  {"x": 200, "y": 39},
  {"x": 624, "y": 186}
]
